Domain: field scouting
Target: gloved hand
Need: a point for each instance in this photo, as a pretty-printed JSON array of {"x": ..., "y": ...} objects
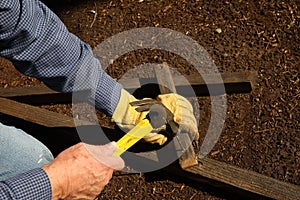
[
  {"x": 126, "y": 117},
  {"x": 182, "y": 111}
]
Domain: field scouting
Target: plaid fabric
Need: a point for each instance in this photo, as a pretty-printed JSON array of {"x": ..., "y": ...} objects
[
  {"x": 39, "y": 45},
  {"x": 33, "y": 184}
]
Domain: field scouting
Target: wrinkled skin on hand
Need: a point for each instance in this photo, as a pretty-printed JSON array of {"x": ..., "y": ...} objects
[{"x": 82, "y": 171}]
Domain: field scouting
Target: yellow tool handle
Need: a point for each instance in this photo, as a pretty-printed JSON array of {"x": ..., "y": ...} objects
[{"x": 133, "y": 136}]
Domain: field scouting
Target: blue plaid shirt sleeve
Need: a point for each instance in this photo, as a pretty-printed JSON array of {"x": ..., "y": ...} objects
[
  {"x": 39, "y": 45},
  {"x": 33, "y": 184}
]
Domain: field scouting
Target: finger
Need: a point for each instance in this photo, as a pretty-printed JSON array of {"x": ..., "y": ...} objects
[
  {"x": 143, "y": 102},
  {"x": 144, "y": 108},
  {"x": 154, "y": 138},
  {"x": 191, "y": 130}
]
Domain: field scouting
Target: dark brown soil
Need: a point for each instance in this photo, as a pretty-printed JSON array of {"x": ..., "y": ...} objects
[{"x": 262, "y": 129}]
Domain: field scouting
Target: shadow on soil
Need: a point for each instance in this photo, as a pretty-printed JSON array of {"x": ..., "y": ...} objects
[{"x": 58, "y": 139}]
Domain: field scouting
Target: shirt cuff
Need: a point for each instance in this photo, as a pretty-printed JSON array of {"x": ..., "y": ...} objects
[{"x": 33, "y": 184}]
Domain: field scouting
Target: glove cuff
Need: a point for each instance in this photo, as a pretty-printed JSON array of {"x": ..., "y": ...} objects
[
  {"x": 122, "y": 106},
  {"x": 125, "y": 115}
]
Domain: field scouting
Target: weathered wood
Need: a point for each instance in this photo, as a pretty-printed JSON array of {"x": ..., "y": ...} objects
[
  {"x": 35, "y": 95},
  {"x": 188, "y": 158},
  {"x": 228, "y": 178},
  {"x": 235, "y": 82},
  {"x": 166, "y": 85},
  {"x": 244, "y": 179},
  {"x": 196, "y": 79},
  {"x": 214, "y": 173},
  {"x": 26, "y": 91},
  {"x": 37, "y": 115},
  {"x": 164, "y": 79}
]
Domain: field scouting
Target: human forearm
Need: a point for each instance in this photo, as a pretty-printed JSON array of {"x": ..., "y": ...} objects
[{"x": 39, "y": 45}]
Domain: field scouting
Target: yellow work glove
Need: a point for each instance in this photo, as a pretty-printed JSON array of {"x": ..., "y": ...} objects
[
  {"x": 126, "y": 117},
  {"x": 182, "y": 111}
]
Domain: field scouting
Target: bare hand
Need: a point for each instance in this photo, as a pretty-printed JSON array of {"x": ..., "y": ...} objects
[{"x": 82, "y": 171}]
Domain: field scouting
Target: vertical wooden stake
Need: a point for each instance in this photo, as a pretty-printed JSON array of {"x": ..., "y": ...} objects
[{"x": 166, "y": 85}]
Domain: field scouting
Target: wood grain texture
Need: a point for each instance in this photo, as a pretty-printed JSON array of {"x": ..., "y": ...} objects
[
  {"x": 244, "y": 179},
  {"x": 37, "y": 115},
  {"x": 166, "y": 85},
  {"x": 234, "y": 82}
]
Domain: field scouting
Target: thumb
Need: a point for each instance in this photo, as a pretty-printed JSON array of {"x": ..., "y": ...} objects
[
  {"x": 109, "y": 148},
  {"x": 104, "y": 153}
]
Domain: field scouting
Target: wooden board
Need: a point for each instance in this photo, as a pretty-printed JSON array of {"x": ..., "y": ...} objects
[
  {"x": 37, "y": 115},
  {"x": 229, "y": 179},
  {"x": 166, "y": 85},
  {"x": 235, "y": 82},
  {"x": 35, "y": 95},
  {"x": 244, "y": 179}
]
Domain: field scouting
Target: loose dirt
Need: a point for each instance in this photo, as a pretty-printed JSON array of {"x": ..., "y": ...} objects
[{"x": 262, "y": 129}]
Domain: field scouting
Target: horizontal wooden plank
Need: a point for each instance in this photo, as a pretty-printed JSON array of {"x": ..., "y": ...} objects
[
  {"x": 26, "y": 91},
  {"x": 37, "y": 115},
  {"x": 35, "y": 95},
  {"x": 196, "y": 79},
  {"x": 227, "y": 178},
  {"x": 244, "y": 179},
  {"x": 235, "y": 82}
]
